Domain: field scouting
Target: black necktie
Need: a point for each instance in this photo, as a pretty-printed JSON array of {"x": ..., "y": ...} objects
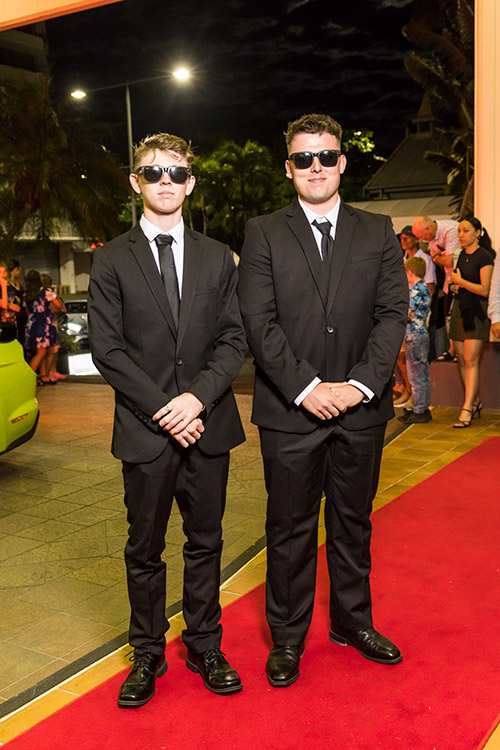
[
  {"x": 326, "y": 239},
  {"x": 168, "y": 272}
]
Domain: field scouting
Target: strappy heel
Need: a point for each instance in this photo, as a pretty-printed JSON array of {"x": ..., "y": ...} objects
[
  {"x": 460, "y": 424},
  {"x": 476, "y": 410}
]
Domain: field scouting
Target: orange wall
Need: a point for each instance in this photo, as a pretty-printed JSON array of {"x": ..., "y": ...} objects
[
  {"x": 487, "y": 118},
  {"x": 20, "y": 12}
]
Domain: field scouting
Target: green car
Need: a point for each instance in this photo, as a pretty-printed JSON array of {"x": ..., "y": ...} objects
[{"x": 18, "y": 405}]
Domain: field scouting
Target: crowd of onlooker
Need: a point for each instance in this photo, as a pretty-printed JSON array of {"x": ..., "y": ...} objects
[
  {"x": 454, "y": 308},
  {"x": 32, "y": 306}
]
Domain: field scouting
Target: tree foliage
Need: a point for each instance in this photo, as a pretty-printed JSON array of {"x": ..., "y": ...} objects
[
  {"x": 53, "y": 167},
  {"x": 362, "y": 163},
  {"x": 444, "y": 31},
  {"x": 235, "y": 183}
]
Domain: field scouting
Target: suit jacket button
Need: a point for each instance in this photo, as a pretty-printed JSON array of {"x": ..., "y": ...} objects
[
  {"x": 179, "y": 361},
  {"x": 329, "y": 329}
]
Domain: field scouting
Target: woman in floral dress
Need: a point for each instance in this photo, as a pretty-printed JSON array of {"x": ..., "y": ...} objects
[{"x": 41, "y": 333}]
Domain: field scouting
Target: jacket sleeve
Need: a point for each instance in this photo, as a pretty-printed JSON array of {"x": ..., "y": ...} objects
[
  {"x": 109, "y": 351},
  {"x": 266, "y": 338},
  {"x": 375, "y": 367},
  {"x": 229, "y": 342}
]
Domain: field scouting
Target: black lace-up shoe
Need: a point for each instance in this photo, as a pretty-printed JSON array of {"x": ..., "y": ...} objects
[
  {"x": 139, "y": 687},
  {"x": 282, "y": 666},
  {"x": 217, "y": 674},
  {"x": 370, "y": 643}
]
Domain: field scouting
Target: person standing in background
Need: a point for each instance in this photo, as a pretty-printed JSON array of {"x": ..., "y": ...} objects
[
  {"x": 4, "y": 297},
  {"x": 17, "y": 290},
  {"x": 416, "y": 343},
  {"x": 494, "y": 303},
  {"x": 444, "y": 247},
  {"x": 40, "y": 333},
  {"x": 469, "y": 323},
  {"x": 49, "y": 364}
]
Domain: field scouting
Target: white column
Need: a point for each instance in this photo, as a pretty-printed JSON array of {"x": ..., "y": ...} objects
[
  {"x": 487, "y": 117},
  {"x": 67, "y": 265}
]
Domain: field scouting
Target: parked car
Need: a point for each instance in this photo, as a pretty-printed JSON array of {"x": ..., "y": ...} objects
[
  {"x": 18, "y": 404},
  {"x": 73, "y": 322}
]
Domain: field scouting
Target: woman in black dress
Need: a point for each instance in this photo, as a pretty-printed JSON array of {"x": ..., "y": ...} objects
[{"x": 469, "y": 324}]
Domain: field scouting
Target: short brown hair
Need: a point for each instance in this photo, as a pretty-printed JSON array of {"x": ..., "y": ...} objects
[
  {"x": 163, "y": 142},
  {"x": 417, "y": 266},
  {"x": 313, "y": 124}
]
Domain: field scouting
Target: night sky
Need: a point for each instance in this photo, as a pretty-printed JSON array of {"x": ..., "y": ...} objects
[{"x": 255, "y": 66}]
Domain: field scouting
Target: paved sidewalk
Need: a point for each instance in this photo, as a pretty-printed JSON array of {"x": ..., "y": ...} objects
[{"x": 63, "y": 529}]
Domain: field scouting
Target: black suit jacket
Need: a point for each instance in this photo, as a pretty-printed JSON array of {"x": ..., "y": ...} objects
[
  {"x": 137, "y": 349},
  {"x": 301, "y": 325}
]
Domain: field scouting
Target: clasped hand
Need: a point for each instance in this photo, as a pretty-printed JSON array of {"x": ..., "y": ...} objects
[
  {"x": 328, "y": 400},
  {"x": 180, "y": 418}
]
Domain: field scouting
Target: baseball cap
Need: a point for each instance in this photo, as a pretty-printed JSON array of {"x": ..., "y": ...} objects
[{"x": 408, "y": 231}]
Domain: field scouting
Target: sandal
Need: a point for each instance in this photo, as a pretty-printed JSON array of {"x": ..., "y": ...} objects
[
  {"x": 45, "y": 380},
  {"x": 446, "y": 357},
  {"x": 476, "y": 410},
  {"x": 460, "y": 424}
]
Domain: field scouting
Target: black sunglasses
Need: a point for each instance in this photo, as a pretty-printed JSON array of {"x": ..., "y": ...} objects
[
  {"x": 304, "y": 159},
  {"x": 154, "y": 173}
]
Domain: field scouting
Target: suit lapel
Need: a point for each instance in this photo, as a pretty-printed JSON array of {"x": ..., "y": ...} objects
[
  {"x": 299, "y": 225},
  {"x": 346, "y": 224},
  {"x": 192, "y": 260},
  {"x": 141, "y": 250}
]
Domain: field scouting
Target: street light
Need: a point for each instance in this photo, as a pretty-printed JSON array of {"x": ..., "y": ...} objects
[{"x": 180, "y": 74}]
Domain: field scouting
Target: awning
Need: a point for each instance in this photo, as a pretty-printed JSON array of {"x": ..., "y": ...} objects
[
  {"x": 404, "y": 211},
  {"x": 21, "y": 12}
]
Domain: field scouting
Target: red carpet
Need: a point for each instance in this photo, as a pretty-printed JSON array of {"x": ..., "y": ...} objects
[{"x": 436, "y": 592}]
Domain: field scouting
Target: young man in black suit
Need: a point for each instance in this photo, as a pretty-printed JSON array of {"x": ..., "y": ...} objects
[
  {"x": 166, "y": 333},
  {"x": 324, "y": 299}
]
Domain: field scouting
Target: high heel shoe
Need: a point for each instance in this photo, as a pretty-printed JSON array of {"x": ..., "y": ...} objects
[
  {"x": 476, "y": 410},
  {"x": 460, "y": 424}
]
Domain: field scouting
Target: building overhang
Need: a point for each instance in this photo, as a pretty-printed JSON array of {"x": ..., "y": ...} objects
[
  {"x": 21, "y": 12},
  {"x": 404, "y": 211}
]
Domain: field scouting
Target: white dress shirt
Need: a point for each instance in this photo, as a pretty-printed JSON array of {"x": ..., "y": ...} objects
[
  {"x": 151, "y": 231},
  {"x": 331, "y": 216}
]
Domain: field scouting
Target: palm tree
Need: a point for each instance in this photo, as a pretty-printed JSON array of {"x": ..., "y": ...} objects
[
  {"x": 444, "y": 30},
  {"x": 53, "y": 168},
  {"x": 234, "y": 183}
]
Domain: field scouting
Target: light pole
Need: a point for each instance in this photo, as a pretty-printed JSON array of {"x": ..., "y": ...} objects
[{"x": 180, "y": 74}]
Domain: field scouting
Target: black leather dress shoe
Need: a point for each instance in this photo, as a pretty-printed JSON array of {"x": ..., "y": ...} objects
[
  {"x": 282, "y": 666},
  {"x": 217, "y": 674},
  {"x": 370, "y": 643},
  {"x": 139, "y": 687}
]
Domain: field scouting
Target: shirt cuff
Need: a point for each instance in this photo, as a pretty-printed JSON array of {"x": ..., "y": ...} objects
[
  {"x": 306, "y": 391},
  {"x": 369, "y": 394}
]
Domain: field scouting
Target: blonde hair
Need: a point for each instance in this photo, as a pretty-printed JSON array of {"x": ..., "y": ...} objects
[{"x": 163, "y": 142}]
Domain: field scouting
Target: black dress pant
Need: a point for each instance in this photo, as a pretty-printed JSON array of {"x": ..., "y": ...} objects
[
  {"x": 298, "y": 468},
  {"x": 199, "y": 485}
]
